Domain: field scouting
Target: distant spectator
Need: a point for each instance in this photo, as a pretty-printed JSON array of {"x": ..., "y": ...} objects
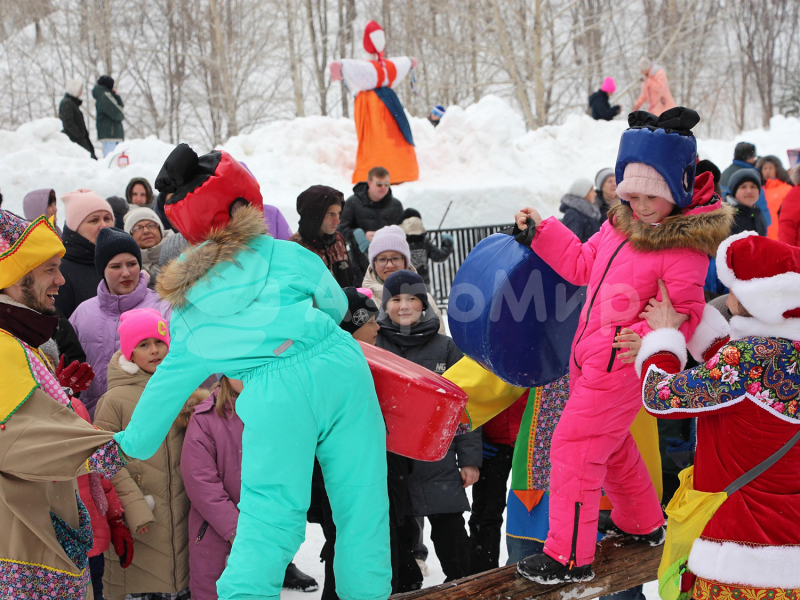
[
  {"x": 41, "y": 202},
  {"x": 120, "y": 208},
  {"x": 319, "y": 208},
  {"x": 598, "y": 102},
  {"x": 149, "y": 234},
  {"x": 744, "y": 189},
  {"x": 109, "y": 114},
  {"x": 605, "y": 186},
  {"x": 371, "y": 207},
  {"x": 655, "y": 88},
  {"x": 86, "y": 214},
  {"x": 422, "y": 248},
  {"x": 776, "y": 184},
  {"x": 706, "y": 166},
  {"x": 437, "y": 112},
  {"x": 72, "y": 118},
  {"x": 139, "y": 193},
  {"x": 744, "y": 157},
  {"x": 581, "y": 214},
  {"x": 789, "y": 221}
]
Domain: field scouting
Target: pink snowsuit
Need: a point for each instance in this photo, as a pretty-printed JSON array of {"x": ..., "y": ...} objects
[
  {"x": 592, "y": 445},
  {"x": 655, "y": 91}
]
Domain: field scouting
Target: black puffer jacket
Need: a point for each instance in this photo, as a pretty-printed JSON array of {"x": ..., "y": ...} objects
[
  {"x": 422, "y": 250},
  {"x": 583, "y": 218},
  {"x": 360, "y": 212},
  {"x": 74, "y": 124},
  {"x": 747, "y": 218},
  {"x": 601, "y": 107},
  {"x": 78, "y": 270},
  {"x": 435, "y": 487}
]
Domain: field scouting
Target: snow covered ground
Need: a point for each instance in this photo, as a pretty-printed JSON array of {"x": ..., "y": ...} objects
[{"x": 480, "y": 157}]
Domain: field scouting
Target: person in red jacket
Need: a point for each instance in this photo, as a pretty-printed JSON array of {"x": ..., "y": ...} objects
[
  {"x": 745, "y": 395},
  {"x": 789, "y": 215}
]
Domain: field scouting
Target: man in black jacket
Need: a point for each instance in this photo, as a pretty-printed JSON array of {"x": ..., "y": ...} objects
[
  {"x": 370, "y": 208},
  {"x": 72, "y": 118}
]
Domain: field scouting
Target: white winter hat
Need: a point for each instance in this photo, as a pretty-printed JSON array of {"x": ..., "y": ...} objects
[
  {"x": 73, "y": 87},
  {"x": 580, "y": 187},
  {"x": 142, "y": 214},
  {"x": 645, "y": 64}
]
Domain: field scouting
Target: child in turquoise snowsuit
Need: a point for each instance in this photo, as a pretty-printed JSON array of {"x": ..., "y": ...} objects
[{"x": 266, "y": 312}]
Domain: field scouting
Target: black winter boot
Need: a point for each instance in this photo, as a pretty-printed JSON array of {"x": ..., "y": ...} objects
[
  {"x": 607, "y": 527},
  {"x": 540, "y": 568},
  {"x": 295, "y": 579}
]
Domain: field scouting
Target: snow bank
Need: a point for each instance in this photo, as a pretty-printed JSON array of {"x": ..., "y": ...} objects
[{"x": 480, "y": 158}]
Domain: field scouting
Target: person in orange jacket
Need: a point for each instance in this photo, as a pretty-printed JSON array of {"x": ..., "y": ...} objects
[
  {"x": 777, "y": 184},
  {"x": 655, "y": 88}
]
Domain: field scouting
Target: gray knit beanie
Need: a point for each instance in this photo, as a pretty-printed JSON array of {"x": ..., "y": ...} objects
[
  {"x": 580, "y": 187},
  {"x": 171, "y": 248}
]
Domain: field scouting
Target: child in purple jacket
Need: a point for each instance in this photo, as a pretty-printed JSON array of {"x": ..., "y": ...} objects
[{"x": 211, "y": 464}]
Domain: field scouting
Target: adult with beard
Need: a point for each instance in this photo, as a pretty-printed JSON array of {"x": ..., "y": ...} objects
[
  {"x": 44, "y": 445},
  {"x": 320, "y": 208},
  {"x": 370, "y": 208},
  {"x": 122, "y": 287},
  {"x": 86, "y": 214}
]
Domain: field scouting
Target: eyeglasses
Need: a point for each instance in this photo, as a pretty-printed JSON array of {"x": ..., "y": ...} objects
[
  {"x": 396, "y": 261},
  {"x": 379, "y": 184},
  {"x": 148, "y": 226}
]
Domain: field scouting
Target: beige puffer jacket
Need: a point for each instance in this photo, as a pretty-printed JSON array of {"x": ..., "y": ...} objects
[
  {"x": 373, "y": 282},
  {"x": 160, "y": 556}
]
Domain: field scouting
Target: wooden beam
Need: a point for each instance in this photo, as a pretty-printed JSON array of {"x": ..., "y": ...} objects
[{"x": 620, "y": 563}]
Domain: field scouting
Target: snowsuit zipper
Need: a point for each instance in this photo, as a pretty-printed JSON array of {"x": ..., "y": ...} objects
[
  {"x": 594, "y": 297},
  {"x": 171, "y": 516},
  {"x": 613, "y": 350},
  {"x": 573, "y": 556}
]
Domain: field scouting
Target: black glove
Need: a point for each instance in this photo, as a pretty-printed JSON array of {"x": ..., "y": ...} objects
[{"x": 525, "y": 237}]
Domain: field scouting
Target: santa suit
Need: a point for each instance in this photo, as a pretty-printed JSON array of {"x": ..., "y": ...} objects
[{"x": 745, "y": 396}]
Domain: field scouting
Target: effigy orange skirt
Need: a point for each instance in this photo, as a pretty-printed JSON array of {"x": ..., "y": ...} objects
[{"x": 380, "y": 142}]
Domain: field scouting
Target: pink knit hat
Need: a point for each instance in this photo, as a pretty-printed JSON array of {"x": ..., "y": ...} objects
[
  {"x": 640, "y": 178},
  {"x": 139, "y": 324},
  {"x": 80, "y": 204},
  {"x": 609, "y": 85}
]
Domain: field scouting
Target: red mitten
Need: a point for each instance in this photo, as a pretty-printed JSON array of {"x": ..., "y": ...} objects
[
  {"x": 77, "y": 376},
  {"x": 123, "y": 541}
]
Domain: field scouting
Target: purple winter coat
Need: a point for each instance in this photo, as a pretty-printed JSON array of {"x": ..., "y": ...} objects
[
  {"x": 211, "y": 463},
  {"x": 276, "y": 224},
  {"x": 96, "y": 321}
]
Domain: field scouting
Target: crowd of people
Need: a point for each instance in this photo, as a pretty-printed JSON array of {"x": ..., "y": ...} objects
[{"x": 210, "y": 341}]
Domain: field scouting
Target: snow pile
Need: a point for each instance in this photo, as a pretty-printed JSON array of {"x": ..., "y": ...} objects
[{"x": 480, "y": 158}]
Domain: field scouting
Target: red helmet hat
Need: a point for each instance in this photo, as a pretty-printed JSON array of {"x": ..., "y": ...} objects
[
  {"x": 374, "y": 39},
  {"x": 204, "y": 190}
]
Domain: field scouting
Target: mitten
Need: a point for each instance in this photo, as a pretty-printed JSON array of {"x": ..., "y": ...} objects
[
  {"x": 77, "y": 376},
  {"x": 123, "y": 541},
  {"x": 448, "y": 240},
  {"x": 361, "y": 239},
  {"x": 525, "y": 237}
]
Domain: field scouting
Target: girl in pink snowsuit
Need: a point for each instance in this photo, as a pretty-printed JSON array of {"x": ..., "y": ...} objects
[{"x": 660, "y": 231}]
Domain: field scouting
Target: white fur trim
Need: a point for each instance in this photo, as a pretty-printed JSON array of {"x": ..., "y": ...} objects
[
  {"x": 661, "y": 340},
  {"x": 127, "y": 366},
  {"x": 712, "y": 327},
  {"x": 742, "y": 327},
  {"x": 766, "y": 298},
  {"x": 151, "y": 502},
  {"x": 756, "y": 566}
]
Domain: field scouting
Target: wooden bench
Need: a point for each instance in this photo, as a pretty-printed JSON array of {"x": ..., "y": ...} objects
[{"x": 620, "y": 563}]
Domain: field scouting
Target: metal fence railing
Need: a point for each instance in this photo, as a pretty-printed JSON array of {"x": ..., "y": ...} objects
[{"x": 465, "y": 239}]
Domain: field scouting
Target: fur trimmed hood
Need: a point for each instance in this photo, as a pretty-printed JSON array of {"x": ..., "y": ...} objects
[
  {"x": 703, "y": 231},
  {"x": 178, "y": 276}
]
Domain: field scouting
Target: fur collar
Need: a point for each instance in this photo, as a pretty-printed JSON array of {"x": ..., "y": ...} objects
[
  {"x": 222, "y": 244},
  {"x": 742, "y": 327},
  {"x": 697, "y": 231}
]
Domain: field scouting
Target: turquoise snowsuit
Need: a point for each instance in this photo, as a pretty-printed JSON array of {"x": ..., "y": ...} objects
[{"x": 269, "y": 315}]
